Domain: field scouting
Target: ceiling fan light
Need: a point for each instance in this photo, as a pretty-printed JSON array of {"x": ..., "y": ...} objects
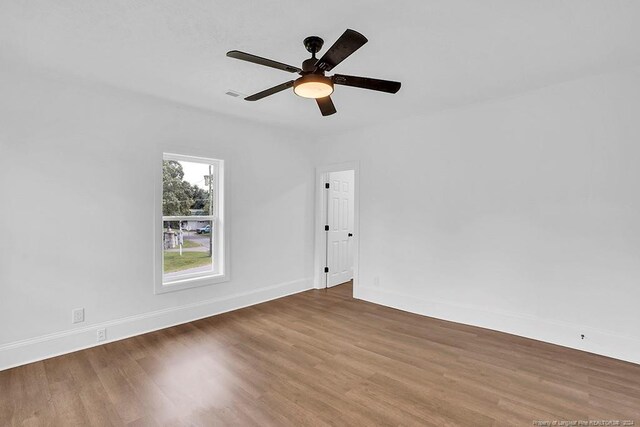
[{"x": 313, "y": 86}]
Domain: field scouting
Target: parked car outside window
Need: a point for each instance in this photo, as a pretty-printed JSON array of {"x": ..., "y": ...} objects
[{"x": 204, "y": 230}]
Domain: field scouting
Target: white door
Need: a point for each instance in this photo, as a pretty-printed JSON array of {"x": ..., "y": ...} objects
[{"x": 340, "y": 220}]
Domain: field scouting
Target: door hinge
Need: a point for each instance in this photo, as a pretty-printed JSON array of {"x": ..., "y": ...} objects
[
  {"x": 326, "y": 228},
  {"x": 326, "y": 269},
  {"x": 326, "y": 185}
]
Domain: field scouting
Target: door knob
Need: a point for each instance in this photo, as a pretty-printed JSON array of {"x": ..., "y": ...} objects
[{"x": 350, "y": 234}]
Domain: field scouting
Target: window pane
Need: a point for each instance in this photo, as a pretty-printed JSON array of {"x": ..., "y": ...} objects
[
  {"x": 186, "y": 188},
  {"x": 187, "y": 248}
]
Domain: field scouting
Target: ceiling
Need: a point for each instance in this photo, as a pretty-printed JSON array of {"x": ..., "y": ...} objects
[{"x": 447, "y": 53}]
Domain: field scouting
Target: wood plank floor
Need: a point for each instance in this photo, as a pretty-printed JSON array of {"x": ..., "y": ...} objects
[{"x": 320, "y": 358}]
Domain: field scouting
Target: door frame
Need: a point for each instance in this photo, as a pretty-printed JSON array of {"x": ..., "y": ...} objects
[{"x": 322, "y": 173}]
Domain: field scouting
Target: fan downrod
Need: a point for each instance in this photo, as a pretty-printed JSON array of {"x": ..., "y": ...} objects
[{"x": 313, "y": 44}]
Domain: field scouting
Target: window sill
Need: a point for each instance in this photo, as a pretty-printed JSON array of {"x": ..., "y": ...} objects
[{"x": 191, "y": 282}]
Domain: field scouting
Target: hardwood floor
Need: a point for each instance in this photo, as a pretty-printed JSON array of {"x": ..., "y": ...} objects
[{"x": 320, "y": 358}]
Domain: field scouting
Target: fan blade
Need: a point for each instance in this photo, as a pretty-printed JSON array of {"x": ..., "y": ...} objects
[
  {"x": 262, "y": 61},
  {"x": 349, "y": 42},
  {"x": 270, "y": 91},
  {"x": 326, "y": 106},
  {"x": 367, "y": 83}
]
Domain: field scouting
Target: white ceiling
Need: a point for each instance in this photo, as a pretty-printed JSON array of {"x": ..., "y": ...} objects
[{"x": 447, "y": 53}]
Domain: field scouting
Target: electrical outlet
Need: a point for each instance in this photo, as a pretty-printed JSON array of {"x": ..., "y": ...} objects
[
  {"x": 101, "y": 334},
  {"x": 376, "y": 282},
  {"x": 77, "y": 315}
]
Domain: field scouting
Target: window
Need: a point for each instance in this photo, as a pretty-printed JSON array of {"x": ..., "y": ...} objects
[{"x": 190, "y": 246}]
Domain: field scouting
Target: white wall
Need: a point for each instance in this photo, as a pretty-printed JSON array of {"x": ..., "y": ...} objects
[
  {"x": 76, "y": 211},
  {"x": 521, "y": 215}
]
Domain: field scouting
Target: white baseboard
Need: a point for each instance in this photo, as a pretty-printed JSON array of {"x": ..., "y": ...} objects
[
  {"x": 46, "y": 346},
  {"x": 605, "y": 343}
]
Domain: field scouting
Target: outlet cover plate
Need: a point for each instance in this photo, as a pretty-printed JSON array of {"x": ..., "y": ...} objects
[{"x": 77, "y": 315}]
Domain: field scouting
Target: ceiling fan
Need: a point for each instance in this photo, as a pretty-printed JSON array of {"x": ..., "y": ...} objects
[{"x": 313, "y": 83}]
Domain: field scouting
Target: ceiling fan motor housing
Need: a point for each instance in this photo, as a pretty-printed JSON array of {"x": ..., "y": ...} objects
[{"x": 309, "y": 66}]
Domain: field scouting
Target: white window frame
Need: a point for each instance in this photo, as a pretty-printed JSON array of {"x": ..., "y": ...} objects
[{"x": 219, "y": 235}]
